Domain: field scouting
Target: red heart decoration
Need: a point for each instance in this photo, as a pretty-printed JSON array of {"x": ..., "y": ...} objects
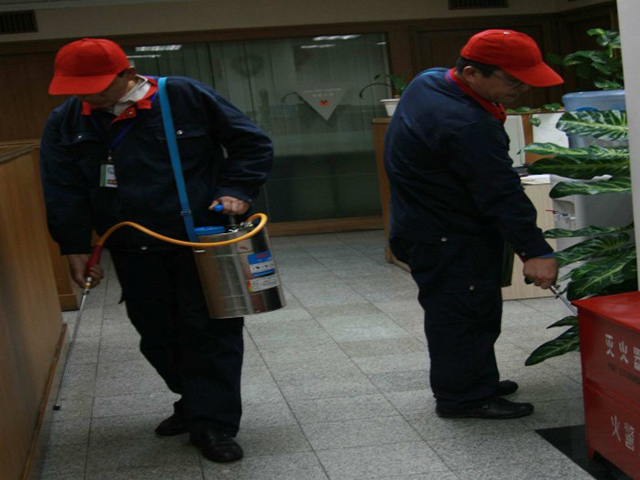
[{"x": 324, "y": 103}]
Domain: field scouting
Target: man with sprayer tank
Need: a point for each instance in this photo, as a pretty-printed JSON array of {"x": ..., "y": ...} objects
[{"x": 105, "y": 160}]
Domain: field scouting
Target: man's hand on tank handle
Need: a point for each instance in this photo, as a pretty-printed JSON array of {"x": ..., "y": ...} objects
[{"x": 231, "y": 205}]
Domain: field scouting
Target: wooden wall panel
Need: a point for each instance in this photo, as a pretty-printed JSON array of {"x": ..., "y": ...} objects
[
  {"x": 30, "y": 318},
  {"x": 26, "y": 69},
  {"x": 24, "y": 80}
]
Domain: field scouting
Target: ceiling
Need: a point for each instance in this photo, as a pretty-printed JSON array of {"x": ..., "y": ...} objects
[{"x": 16, "y": 5}]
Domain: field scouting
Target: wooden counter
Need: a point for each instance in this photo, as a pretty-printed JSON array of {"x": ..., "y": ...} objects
[
  {"x": 379, "y": 129},
  {"x": 68, "y": 291},
  {"x": 31, "y": 329},
  {"x": 539, "y": 196}
]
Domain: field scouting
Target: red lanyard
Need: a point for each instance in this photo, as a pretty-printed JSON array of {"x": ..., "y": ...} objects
[{"x": 495, "y": 109}]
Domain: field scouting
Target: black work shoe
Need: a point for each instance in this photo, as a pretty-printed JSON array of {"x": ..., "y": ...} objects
[
  {"x": 216, "y": 446},
  {"x": 174, "y": 425},
  {"x": 506, "y": 387},
  {"x": 498, "y": 409}
]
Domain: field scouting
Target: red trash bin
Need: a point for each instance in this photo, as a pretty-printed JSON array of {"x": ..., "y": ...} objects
[{"x": 610, "y": 352}]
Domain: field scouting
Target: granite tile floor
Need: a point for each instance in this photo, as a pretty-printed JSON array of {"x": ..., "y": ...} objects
[{"x": 335, "y": 386}]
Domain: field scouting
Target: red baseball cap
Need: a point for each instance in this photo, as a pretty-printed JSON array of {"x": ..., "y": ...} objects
[
  {"x": 514, "y": 52},
  {"x": 87, "y": 66}
]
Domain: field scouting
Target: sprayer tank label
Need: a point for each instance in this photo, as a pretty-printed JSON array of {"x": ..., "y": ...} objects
[
  {"x": 261, "y": 264},
  {"x": 263, "y": 283}
]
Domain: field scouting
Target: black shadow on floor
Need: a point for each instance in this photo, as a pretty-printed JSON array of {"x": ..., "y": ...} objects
[{"x": 572, "y": 442}]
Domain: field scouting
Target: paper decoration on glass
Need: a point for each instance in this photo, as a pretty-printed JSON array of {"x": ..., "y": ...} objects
[{"x": 323, "y": 99}]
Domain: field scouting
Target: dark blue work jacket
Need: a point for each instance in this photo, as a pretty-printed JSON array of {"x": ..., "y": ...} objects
[
  {"x": 223, "y": 153},
  {"x": 450, "y": 173}
]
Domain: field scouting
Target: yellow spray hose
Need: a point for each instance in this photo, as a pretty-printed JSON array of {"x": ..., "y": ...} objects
[{"x": 97, "y": 249}]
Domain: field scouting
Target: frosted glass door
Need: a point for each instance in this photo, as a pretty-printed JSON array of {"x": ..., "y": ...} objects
[{"x": 303, "y": 92}]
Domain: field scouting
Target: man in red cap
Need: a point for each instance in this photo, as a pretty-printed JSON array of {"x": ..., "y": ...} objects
[
  {"x": 455, "y": 200},
  {"x": 105, "y": 160}
]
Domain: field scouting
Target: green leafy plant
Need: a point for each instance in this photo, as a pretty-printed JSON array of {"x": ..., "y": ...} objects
[
  {"x": 546, "y": 108},
  {"x": 603, "y": 67},
  {"x": 605, "y": 263},
  {"x": 397, "y": 83}
]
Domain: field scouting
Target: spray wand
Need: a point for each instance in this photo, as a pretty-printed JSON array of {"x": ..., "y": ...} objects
[
  {"x": 85, "y": 292},
  {"x": 555, "y": 289}
]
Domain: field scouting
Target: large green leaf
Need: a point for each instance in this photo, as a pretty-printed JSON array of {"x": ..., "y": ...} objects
[
  {"x": 567, "y": 342},
  {"x": 604, "y": 246},
  {"x": 608, "y": 267},
  {"x": 608, "y": 84},
  {"x": 524, "y": 109},
  {"x": 584, "y": 69},
  {"x": 583, "y": 232},
  {"x": 605, "y": 38},
  {"x": 590, "y": 152},
  {"x": 593, "y": 277},
  {"x": 630, "y": 285},
  {"x": 552, "y": 107},
  {"x": 577, "y": 58},
  {"x": 603, "y": 124},
  {"x": 569, "y": 321},
  {"x": 606, "y": 68},
  {"x": 582, "y": 168},
  {"x": 614, "y": 185},
  {"x": 555, "y": 59}
]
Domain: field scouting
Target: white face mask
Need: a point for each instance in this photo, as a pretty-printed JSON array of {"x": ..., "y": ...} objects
[{"x": 138, "y": 92}]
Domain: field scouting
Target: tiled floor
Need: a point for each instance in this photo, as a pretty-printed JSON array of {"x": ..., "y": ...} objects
[{"x": 335, "y": 386}]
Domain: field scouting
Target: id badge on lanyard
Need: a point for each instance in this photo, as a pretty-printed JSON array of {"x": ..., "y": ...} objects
[
  {"x": 108, "y": 174},
  {"x": 107, "y": 168}
]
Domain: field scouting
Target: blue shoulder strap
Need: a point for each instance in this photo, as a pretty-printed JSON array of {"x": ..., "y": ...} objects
[{"x": 169, "y": 130}]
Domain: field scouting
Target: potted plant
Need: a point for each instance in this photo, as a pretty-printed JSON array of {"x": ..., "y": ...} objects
[
  {"x": 602, "y": 67},
  {"x": 607, "y": 259},
  {"x": 396, "y": 83},
  {"x": 604, "y": 263}
]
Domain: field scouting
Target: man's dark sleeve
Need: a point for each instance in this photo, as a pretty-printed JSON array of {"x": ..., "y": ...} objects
[
  {"x": 480, "y": 158},
  {"x": 249, "y": 150},
  {"x": 65, "y": 192}
]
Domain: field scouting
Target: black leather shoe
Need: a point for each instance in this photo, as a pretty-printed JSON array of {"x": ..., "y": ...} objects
[
  {"x": 506, "y": 387},
  {"x": 498, "y": 409},
  {"x": 174, "y": 425},
  {"x": 216, "y": 446}
]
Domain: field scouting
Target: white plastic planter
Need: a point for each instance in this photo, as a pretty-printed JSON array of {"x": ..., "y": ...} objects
[{"x": 390, "y": 105}]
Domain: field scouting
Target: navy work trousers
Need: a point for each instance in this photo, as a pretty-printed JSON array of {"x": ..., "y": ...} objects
[
  {"x": 459, "y": 290},
  {"x": 198, "y": 358}
]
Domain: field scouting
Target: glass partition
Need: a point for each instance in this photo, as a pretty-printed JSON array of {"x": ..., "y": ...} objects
[{"x": 303, "y": 92}]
